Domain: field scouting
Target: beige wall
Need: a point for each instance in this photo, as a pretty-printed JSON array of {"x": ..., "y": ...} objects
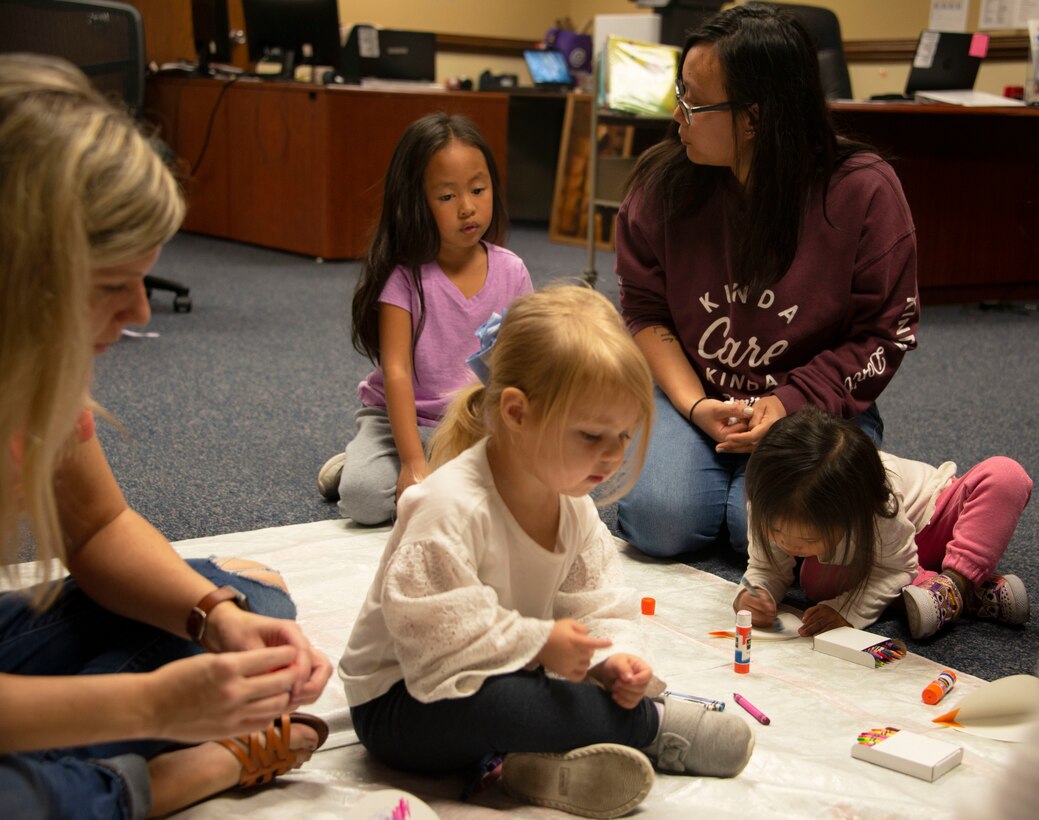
[
  {"x": 525, "y": 19},
  {"x": 860, "y": 19},
  {"x": 529, "y": 19},
  {"x": 488, "y": 18}
]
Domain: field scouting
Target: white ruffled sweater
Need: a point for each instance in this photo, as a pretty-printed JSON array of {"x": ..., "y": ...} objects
[{"x": 463, "y": 593}]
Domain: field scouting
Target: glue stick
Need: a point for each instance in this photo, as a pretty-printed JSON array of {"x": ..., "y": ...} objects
[
  {"x": 939, "y": 687},
  {"x": 742, "y": 662}
]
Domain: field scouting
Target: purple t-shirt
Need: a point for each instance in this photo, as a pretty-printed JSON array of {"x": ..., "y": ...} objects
[{"x": 448, "y": 334}]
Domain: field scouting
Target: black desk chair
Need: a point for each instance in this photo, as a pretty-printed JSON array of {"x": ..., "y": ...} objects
[
  {"x": 106, "y": 40},
  {"x": 825, "y": 30}
]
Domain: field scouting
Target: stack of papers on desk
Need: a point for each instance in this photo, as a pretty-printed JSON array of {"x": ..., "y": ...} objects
[{"x": 979, "y": 99}]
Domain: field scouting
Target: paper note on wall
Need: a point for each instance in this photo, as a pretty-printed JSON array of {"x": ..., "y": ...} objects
[
  {"x": 948, "y": 15},
  {"x": 1007, "y": 14}
]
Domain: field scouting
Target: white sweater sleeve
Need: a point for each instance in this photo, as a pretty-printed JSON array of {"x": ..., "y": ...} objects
[
  {"x": 594, "y": 594},
  {"x": 774, "y": 576},
  {"x": 894, "y": 566},
  {"x": 448, "y": 629}
]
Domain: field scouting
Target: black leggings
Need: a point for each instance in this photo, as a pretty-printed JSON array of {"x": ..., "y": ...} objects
[{"x": 519, "y": 712}]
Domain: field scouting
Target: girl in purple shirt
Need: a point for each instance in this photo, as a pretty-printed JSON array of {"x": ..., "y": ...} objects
[{"x": 431, "y": 278}]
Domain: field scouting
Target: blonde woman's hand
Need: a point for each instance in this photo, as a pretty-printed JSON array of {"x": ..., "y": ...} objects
[
  {"x": 210, "y": 696},
  {"x": 569, "y": 649},
  {"x": 230, "y": 629}
]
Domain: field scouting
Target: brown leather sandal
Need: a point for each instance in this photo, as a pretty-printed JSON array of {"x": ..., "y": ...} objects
[{"x": 265, "y": 755}]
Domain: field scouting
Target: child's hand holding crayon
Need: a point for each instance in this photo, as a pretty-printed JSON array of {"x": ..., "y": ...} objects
[{"x": 759, "y": 602}]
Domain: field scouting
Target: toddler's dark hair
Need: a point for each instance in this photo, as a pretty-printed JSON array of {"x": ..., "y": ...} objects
[{"x": 823, "y": 472}]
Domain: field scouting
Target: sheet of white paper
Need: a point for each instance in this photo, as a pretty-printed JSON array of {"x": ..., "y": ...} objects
[
  {"x": 787, "y": 624},
  {"x": 948, "y": 15},
  {"x": 1006, "y": 14},
  {"x": 1004, "y": 709},
  {"x": 969, "y": 98},
  {"x": 329, "y": 565}
]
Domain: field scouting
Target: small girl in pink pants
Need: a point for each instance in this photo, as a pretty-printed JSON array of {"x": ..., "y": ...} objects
[{"x": 870, "y": 526}]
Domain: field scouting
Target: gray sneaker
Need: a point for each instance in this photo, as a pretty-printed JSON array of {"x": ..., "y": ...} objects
[
  {"x": 328, "y": 477},
  {"x": 694, "y": 740},
  {"x": 603, "y": 780}
]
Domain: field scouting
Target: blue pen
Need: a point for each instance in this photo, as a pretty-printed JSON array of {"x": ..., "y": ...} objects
[{"x": 707, "y": 703}]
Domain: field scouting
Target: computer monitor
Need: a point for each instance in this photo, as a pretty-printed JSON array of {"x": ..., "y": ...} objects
[
  {"x": 292, "y": 31},
  {"x": 389, "y": 54},
  {"x": 946, "y": 61},
  {"x": 548, "y": 68},
  {"x": 212, "y": 32}
]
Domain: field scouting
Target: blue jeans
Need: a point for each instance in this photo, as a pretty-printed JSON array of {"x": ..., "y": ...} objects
[
  {"x": 75, "y": 636},
  {"x": 688, "y": 496},
  {"x": 519, "y": 712}
]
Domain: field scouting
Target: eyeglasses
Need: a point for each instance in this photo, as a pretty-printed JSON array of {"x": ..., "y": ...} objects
[{"x": 688, "y": 110}]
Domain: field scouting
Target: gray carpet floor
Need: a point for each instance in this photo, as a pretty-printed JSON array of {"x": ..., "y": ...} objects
[{"x": 230, "y": 412}]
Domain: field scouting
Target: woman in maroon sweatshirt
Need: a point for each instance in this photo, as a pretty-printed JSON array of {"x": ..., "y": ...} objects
[{"x": 765, "y": 265}]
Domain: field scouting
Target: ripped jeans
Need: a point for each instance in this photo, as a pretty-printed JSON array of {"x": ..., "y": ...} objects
[{"x": 75, "y": 636}]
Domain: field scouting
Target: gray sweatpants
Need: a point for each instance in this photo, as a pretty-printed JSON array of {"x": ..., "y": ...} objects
[{"x": 368, "y": 486}]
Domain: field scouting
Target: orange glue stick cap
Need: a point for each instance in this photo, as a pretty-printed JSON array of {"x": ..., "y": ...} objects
[{"x": 649, "y": 606}]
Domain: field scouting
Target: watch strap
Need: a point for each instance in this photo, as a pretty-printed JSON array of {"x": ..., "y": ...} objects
[{"x": 199, "y": 615}]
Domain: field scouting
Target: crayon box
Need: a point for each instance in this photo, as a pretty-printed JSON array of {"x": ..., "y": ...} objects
[
  {"x": 863, "y": 648},
  {"x": 907, "y": 752}
]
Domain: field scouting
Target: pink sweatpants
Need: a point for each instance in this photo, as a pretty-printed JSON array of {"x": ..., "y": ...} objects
[{"x": 972, "y": 524}]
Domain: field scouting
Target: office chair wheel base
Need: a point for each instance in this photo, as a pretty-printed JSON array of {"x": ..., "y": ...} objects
[{"x": 182, "y": 304}]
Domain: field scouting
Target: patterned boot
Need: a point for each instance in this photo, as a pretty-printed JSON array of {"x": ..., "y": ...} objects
[
  {"x": 932, "y": 606},
  {"x": 1000, "y": 598}
]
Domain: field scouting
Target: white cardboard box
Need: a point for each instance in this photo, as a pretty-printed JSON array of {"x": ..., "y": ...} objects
[
  {"x": 851, "y": 645},
  {"x": 912, "y": 754}
]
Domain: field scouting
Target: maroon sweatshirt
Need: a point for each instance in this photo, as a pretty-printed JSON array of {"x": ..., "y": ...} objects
[{"x": 830, "y": 333}]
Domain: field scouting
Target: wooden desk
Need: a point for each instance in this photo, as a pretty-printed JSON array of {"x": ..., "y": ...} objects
[
  {"x": 971, "y": 176},
  {"x": 295, "y": 166}
]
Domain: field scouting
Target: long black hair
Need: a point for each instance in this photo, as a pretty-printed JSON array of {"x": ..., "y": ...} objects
[
  {"x": 825, "y": 472},
  {"x": 768, "y": 61},
  {"x": 407, "y": 232}
]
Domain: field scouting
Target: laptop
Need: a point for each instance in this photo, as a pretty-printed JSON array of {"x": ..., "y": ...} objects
[
  {"x": 389, "y": 54},
  {"x": 548, "y": 69},
  {"x": 946, "y": 61}
]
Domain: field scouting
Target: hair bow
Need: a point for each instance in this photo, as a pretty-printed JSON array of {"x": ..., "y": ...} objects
[{"x": 487, "y": 333}]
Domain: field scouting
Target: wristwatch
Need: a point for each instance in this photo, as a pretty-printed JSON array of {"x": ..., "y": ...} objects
[{"x": 199, "y": 615}]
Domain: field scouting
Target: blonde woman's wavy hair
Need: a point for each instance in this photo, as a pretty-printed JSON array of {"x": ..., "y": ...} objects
[
  {"x": 80, "y": 188},
  {"x": 561, "y": 346}
]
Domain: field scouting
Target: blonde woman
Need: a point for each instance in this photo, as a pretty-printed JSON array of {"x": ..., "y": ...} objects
[{"x": 85, "y": 206}]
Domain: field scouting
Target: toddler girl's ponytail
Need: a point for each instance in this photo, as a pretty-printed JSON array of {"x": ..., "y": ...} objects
[{"x": 463, "y": 425}]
